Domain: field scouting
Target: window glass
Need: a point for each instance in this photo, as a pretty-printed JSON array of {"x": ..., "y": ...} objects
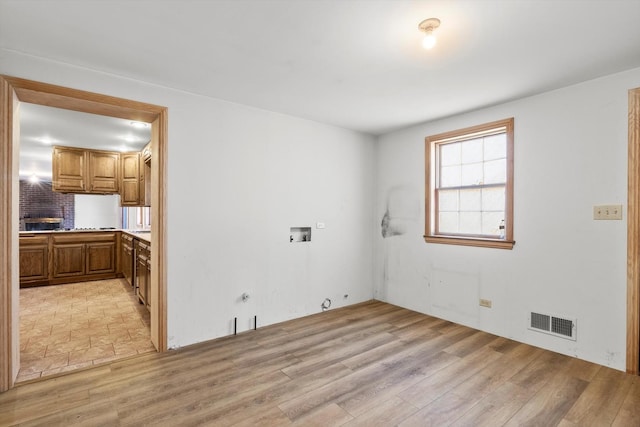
[
  {"x": 471, "y": 174},
  {"x": 450, "y": 176},
  {"x": 450, "y": 154},
  {"x": 495, "y": 171},
  {"x": 472, "y": 151},
  {"x": 448, "y": 200},
  {"x": 471, "y": 200}
]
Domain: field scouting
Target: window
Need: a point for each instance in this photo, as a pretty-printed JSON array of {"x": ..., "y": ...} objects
[
  {"x": 469, "y": 186},
  {"x": 136, "y": 217}
]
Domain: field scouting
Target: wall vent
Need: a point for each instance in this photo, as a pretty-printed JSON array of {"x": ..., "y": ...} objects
[{"x": 553, "y": 325}]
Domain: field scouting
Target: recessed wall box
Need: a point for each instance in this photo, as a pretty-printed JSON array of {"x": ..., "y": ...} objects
[{"x": 299, "y": 234}]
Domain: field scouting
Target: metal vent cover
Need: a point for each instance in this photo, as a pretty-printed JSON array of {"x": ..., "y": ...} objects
[
  {"x": 553, "y": 325},
  {"x": 540, "y": 321}
]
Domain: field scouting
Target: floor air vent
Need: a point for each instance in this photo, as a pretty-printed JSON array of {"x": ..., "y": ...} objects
[{"x": 558, "y": 326}]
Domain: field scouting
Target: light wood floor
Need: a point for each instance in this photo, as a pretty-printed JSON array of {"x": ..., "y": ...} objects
[
  {"x": 368, "y": 364},
  {"x": 72, "y": 326}
]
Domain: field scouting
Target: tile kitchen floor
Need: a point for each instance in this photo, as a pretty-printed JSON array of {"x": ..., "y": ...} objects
[{"x": 66, "y": 327}]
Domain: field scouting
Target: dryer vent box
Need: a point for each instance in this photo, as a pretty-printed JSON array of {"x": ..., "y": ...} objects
[{"x": 299, "y": 234}]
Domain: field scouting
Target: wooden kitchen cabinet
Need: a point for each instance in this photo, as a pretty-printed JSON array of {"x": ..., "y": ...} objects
[
  {"x": 68, "y": 260},
  {"x": 104, "y": 172},
  {"x": 148, "y": 296},
  {"x": 135, "y": 265},
  {"x": 146, "y": 153},
  {"x": 83, "y": 256},
  {"x": 66, "y": 257},
  {"x": 101, "y": 257},
  {"x": 130, "y": 185},
  {"x": 135, "y": 180},
  {"x": 77, "y": 170},
  {"x": 34, "y": 258},
  {"x": 126, "y": 258},
  {"x": 143, "y": 271},
  {"x": 145, "y": 182},
  {"x": 69, "y": 170}
]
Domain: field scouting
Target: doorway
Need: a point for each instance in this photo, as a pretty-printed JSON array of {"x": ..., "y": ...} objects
[{"x": 13, "y": 92}]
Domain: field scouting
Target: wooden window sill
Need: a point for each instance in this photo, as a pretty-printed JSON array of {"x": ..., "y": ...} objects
[{"x": 470, "y": 241}]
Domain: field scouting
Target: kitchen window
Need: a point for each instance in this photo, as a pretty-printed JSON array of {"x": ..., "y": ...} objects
[
  {"x": 469, "y": 186},
  {"x": 136, "y": 217},
  {"x": 143, "y": 217}
]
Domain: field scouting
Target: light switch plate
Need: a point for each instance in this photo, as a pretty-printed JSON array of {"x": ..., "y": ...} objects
[
  {"x": 319, "y": 225},
  {"x": 485, "y": 303},
  {"x": 607, "y": 212}
]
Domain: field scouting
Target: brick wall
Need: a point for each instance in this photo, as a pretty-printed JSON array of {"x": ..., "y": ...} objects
[{"x": 37, "y": 200}]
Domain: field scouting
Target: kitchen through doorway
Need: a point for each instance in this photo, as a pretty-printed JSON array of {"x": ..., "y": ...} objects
[
  {"x": 71, "y": 238},
  {"x": 14, "y": 92}
]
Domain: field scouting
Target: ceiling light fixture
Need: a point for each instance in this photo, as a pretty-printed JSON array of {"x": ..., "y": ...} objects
[
  {"x": 428, "y": 26},
  {"x": 46, "y": 140},
  {"x": 139, "y": 125}
]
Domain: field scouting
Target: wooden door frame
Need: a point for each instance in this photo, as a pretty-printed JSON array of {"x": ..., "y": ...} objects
[
  {"x": 13, "y": 91},
  {"x": 633, "y": 236}
]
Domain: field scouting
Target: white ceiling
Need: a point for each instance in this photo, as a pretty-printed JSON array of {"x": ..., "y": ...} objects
[
  {"x": 43, "y": 127},
  {"x": 357, "y": 64}
]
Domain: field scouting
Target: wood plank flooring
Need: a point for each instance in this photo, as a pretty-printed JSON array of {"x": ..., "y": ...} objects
[{"x": 371, "y": 364}]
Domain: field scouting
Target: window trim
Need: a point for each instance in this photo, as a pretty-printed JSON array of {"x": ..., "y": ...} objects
[{"x": 430, "y": 202}]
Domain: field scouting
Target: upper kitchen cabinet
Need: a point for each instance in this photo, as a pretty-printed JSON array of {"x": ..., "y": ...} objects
[
  {"x": 104, "y": 172},
  {"x": 78, "y": 170},
  {"x": 135, "y": 181},
  {"x": 130, "y": 185},
  {"x": 69, "y": 170},
  {"x": 146, "y": 153}
]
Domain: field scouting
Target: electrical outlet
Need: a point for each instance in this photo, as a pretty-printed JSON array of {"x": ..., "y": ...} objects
[
  {"x": 485, "y": 303},
  {"x": 607, "y": 212}
]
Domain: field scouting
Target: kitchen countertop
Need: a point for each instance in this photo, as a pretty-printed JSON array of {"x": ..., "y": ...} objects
[{"x": 139, "y": 234}]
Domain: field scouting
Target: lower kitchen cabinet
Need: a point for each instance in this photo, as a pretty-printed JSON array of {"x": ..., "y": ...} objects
[
  {"x": 51, "y": 258},
  {"x": 135, "y": 265},
  {"x": 126, "y": 258},
  {"x": 148, "y": 299},
  {"x": 67, "y": 257},
  {"x": 143, "y": 271},
  {"x": 101, "y": 257},
  {"x": 90, "y": 255},
  {"x": 34, "y": 258}
]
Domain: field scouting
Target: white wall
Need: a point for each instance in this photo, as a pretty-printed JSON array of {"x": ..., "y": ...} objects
[
  {"x": 570, "y": 154},
  {"x": 95, "y": 211},
  {"x": 239, "y": 177}
]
